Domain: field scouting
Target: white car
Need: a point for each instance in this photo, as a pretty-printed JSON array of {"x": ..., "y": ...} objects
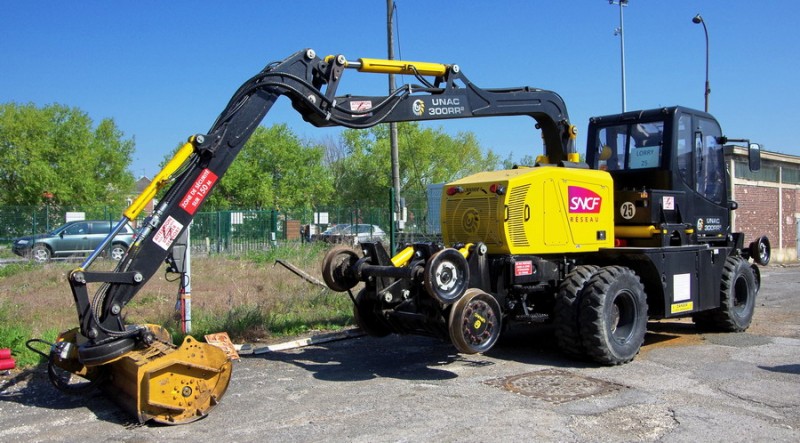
[{"x": 353, "y": 234}]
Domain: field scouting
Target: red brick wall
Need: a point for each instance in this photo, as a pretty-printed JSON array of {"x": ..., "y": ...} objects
[
  {"x": 758, "y": 212},
  {"x": 758, "y": 215}
]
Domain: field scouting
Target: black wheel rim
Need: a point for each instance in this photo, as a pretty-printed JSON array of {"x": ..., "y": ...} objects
[
  {"x": 741, "y": 295},
  {"x": 479, "y": 324},
  {"x": 447, "y": 276},
  {"x": 622, "y": 317}
]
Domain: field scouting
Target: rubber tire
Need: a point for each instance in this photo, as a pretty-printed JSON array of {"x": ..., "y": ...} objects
[
  {"x": 366, "y": 317},
  {"x": 567, "y": 309},
  {"x": 613, "y": 316},
  {"x": 738, "y": 290},
  {"x": 761, "y": 251},
  {"x": 475, "y": 308},
  {"x": 40, "y": 254}
]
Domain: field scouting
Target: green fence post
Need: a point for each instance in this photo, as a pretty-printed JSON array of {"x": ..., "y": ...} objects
[
  {"x": 219, "y": 230},
  {"x": 391, "y": 223}
]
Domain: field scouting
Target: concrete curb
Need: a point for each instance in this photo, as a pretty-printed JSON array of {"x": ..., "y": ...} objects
[{"x": 250, "y": 349}]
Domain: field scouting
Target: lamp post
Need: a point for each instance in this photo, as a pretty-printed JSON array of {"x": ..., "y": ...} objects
[
  {"x": 621, "y": 32},
  {"x": 698, "y": 19}
]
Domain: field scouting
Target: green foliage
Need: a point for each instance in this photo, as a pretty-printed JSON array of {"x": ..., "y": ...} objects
[
  {"x": 295, "y": 253},
  {"x": 53, "y": 154},
  {"x": 14, "y": 335},
  {"x": 16, "y": 268},
  {"x": 427, "y": 156},
  {"x": 325, "y": 311},
  {"x": 274, "y": 170}
]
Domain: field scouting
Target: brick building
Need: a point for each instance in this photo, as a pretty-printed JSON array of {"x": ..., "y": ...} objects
[{"x": 769, "y": 200}]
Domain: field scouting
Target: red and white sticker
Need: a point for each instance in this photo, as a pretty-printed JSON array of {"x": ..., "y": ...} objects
[
  {"x": 167, "y": 233},
  {"x": 523, "y": 268},
  {"x": 361, "y": 105},
  {"x": 200, "y": 189}
]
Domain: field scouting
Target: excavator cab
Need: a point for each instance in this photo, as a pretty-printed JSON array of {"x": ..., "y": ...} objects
[{"x": 671, "y": 183}]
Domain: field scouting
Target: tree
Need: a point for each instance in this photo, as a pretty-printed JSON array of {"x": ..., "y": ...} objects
[
  {"x": 362, "y": 165},
  {"x": 54, "y": 154},
  {"x": 275, "y": 170}
]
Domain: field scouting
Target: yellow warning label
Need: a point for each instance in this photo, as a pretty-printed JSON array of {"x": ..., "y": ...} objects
[{"x": 681, "y": 307}]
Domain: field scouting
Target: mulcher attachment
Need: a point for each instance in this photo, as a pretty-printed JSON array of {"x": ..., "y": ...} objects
[{"x": 156, "y": 381}]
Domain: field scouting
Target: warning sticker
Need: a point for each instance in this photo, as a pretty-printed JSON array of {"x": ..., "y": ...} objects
[
  {"x": 681, "y": 307},
  {"x": 192, "y": 200},
  {"x": 167, "y": 233},
  {"x": 668, "y": 202},
  {"x": 360, "y": 105},
  {"x": 523, "y": 268}
]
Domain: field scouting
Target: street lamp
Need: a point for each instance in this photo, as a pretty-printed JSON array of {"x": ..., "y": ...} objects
[
  {"x": 621, "y": 32},
  {"x": 698, "y": 19}
]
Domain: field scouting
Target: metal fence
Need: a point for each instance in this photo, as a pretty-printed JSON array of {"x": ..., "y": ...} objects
[{"x": 236, "y": 231}]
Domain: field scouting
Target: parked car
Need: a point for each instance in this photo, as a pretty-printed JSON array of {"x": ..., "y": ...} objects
[
  {"x": 72, "y": 239},
  {"x": 353, "y": 234}
]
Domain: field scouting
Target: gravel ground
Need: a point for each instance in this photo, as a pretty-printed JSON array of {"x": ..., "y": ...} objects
[{"x": 684, "y": 386}]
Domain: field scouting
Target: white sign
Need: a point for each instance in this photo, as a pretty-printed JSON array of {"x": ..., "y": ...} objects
[
  {"x": 321, "y": 218},
  {"x": 75, "y": 216},
  {"x": 681, "y": 287}
]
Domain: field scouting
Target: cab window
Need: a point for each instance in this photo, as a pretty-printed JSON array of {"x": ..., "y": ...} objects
[
  {"x": 630, "y": 146},
  {"x": 685, "y": 149}
]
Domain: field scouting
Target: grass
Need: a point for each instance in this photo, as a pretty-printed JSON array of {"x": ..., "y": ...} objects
[
  {"x": 246, "y": 296},
  {"x": 14, "y": 335}
]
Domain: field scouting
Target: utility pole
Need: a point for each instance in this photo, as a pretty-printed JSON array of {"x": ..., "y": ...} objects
[
  {"x": 621, "y": 32},
  {"x": 393, "y": 127}
]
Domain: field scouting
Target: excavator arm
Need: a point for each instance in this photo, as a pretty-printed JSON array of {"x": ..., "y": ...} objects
[{"x": 141, "y": 356}]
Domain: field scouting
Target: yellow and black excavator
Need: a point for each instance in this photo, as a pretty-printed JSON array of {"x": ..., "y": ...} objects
[{"x": 544, "y": 243}]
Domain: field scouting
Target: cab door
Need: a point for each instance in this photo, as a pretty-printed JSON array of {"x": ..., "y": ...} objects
[{"x": 711, "y": 217}]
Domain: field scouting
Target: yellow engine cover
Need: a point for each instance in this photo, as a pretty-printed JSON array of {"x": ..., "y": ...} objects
[{"x": 540, "y": 210}]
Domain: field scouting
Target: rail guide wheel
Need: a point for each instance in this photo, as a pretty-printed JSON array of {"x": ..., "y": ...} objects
[
  {"x": 475, "y": 322},
  {"x": 446, "y": 276},
  {"x": 336, "y": 269}
]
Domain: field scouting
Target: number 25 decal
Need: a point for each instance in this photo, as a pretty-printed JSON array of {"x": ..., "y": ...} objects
[{"x": 627, "y": 210}]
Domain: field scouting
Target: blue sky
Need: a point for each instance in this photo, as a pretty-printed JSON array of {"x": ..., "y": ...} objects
[{"x": 164, "y": 70}]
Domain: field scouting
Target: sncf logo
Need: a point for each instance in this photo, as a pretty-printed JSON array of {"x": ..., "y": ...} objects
[{"x": 583, "y": 201}]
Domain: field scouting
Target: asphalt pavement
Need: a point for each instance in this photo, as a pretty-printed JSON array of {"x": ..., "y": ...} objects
[{"x": 683, "y": 386}]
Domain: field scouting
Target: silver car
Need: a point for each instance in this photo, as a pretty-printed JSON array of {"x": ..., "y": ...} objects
[{"x": 76, "y": 238}]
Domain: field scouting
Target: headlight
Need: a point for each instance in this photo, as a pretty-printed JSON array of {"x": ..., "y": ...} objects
[{"x": 22, "y": 242}]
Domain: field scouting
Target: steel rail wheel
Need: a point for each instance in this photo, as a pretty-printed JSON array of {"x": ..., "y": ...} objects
[
  {"x": 335, "y": 269},
  {"x": 446, "y": 276},
  {"x": 475, "y": 322}
]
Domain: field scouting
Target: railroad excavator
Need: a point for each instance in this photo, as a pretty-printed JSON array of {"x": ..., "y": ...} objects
[{"x": 639, "y": 230}]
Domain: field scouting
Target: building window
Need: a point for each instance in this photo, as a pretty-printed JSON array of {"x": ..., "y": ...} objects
[
  {"x": 767, "y": 173},
  {"x": 791, "y": 175}
]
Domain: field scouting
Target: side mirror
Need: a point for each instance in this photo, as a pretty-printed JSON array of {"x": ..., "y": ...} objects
[{"x": 754, "y": 156}]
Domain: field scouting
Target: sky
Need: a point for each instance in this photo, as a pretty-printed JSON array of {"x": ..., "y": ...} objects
[{"x": 164, "y": 70}]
